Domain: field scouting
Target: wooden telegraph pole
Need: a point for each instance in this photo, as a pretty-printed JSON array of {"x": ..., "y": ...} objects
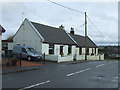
[{"x": 85, "y": 36}]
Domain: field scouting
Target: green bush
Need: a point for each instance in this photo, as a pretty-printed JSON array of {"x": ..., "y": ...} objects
[{"x": 62, "y": 54}]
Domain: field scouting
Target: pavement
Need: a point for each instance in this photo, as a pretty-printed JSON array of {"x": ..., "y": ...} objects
[
  {"x": 88, "y": 74},
  {"x": 30, "y": 65},
  {"x": 25, "y": 66}
]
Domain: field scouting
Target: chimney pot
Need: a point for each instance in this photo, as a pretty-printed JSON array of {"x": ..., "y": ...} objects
[
  {"x": 61, "y": 27},
  {"x": 72, "y": 31}
]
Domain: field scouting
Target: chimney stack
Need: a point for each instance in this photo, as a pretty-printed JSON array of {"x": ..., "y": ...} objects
[
  {"x": 72, "y": 31},
  {"x": 62, "y": 27}
]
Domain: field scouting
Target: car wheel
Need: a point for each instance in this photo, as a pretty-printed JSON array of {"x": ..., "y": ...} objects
[{"x": 29, "y": 58}]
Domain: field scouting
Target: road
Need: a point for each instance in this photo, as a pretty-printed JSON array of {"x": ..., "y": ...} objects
[{"x": 93, "y": 74}]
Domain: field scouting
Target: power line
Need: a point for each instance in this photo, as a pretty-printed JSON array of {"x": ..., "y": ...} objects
[
  {"x": 80, "y": 26},
  {"x": 65, "y": 6},
  {"x": 97, "y": 28}
]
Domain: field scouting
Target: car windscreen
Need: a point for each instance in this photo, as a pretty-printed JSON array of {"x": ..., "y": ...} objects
[{"x": 30, "y": 50}]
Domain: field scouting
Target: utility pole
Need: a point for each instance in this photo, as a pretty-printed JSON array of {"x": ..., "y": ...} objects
[{"x": 85, "y": 36}]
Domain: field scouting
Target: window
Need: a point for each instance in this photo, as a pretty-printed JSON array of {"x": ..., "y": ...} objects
[
  {"x": 30, "y": 50},
  {"x": 80, "y": 51},
  {"x": 69, "y": 49},
  {"x": 61, "y": 51},
  {"x": 4, "y": 46},
  {"x": 95, "y": 50},
  {"x": 23, "y": 50},
  {"x": 87, "y": 51},
  {"x": 92, "y": 51},
  {"x": 51, "y": 49}
]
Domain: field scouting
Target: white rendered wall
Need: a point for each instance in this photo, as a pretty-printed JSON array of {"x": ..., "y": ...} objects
[
  {"x": 65, "y": 58},
  {"x": 77, "y": 51},
  {"x": 89, "y": 57},
  {"x": 57, "y": 50},
  {"x": 90, "y": 51},
  {"x": 65, "y": 50},
  {"x": 83, "y": 50},
  {"x": 96, "y": 51},
  {"x": 51, "y": 57},
  {"x": 57, "y": 57},
  {"x": 80, "y": 57},
  {"x": 73, "y": 50},
  {"x": 26, "y": 35},
  {"x": 45, "y": 49}
]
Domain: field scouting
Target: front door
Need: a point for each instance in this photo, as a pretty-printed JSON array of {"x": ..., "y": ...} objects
[{"x": 61, "y": 51}]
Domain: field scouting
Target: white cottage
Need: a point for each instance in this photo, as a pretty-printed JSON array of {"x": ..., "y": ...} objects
[
  {"x": 92, "y": 49},
  {"x": 54, "y": 42}
]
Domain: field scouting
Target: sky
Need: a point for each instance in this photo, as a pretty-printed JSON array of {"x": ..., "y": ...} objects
[{"x": 104, "y": 16}]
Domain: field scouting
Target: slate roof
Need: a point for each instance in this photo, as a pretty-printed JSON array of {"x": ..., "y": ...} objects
[
  {"x": 81, "y": 41},
  {"x": 53, "y": 35},
  {"x": 2, "y": 29}
]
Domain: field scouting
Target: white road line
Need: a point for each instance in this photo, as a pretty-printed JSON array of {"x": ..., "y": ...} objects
[
  {"x": 78, "y": 72},
  {"x": 100, "y": 65},
  {"x": 31, "y": 86},
  {"x": 113, "y": 62}
]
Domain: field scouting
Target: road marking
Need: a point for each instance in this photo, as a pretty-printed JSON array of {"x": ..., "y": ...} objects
[
  {"x": 100, "y": 65},
  {"x": 78, "y": 72},
  {"x": 31, "y": 86}
]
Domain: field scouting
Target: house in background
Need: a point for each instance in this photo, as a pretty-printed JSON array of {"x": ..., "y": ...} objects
[
  {"x": 92, "y": 49},
  {"x": 7, "y": 46},
  {"x": 56, "y": 43},
  {"x": 2, "y": 30}
]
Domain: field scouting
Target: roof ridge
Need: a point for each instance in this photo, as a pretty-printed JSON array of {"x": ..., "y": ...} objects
[
  {"x": 76, "y": 34},
  {"x": 44, "y": 25}
]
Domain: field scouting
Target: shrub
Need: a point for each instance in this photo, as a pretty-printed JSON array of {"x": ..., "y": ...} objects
[
  {"x": 14, "y": 61},
  {"x": 68, "y": 54},
  {"x": 62, "y": 54}
]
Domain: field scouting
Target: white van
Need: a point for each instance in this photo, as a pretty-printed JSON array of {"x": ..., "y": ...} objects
[{"x": 26, "y": 52}]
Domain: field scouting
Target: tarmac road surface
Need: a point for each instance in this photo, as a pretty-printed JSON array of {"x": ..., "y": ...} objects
[{"x": 93, "y": 74}]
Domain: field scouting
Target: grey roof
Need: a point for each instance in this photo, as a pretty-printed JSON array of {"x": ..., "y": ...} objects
[
  {"x": 2, "y": 29},
  {"x": 53, "y": 35},
  {"x": 81, "y": 41}
]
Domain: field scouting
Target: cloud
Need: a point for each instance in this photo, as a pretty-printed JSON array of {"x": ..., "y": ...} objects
[{"x": 104, "y": 16}]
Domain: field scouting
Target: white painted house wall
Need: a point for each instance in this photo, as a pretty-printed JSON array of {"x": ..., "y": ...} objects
[
  {"x": 57, "y": 50},
  {"x": 65, "y": 50},
  {"x": 57, "y": 57},
  {"x": 45, "y": 49},
  {"x": 89, "y": 57},
  {"x": 24, "y": 37}
]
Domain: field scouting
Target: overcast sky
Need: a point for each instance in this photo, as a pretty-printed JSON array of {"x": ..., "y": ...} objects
[{"x": 103, "y": 14}]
